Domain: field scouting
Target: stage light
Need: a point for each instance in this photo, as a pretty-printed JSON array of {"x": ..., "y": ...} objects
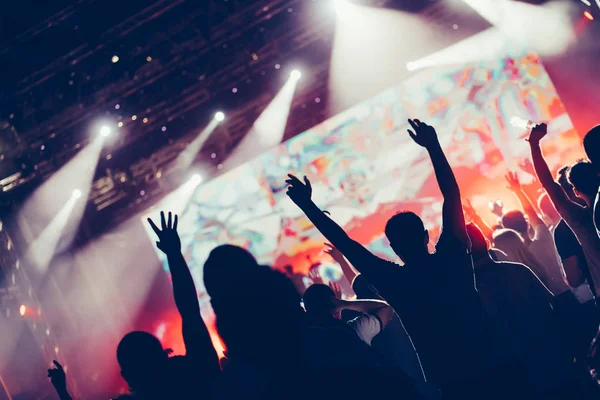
[
  {"x": 115, "y": 59},
  {"x": 76, "y": 193},
  {"x": 411, "y": 66},
  {"x": 338, "y": 5},
  {"x": 196, "y": 178},
  {"x": 22, "y": 310},
  {"x": 219, "y": 116},
  {"x": 105, "y": 131},
  {"x": 295, "y": 74},
  {"x": 588, "y": 15}
]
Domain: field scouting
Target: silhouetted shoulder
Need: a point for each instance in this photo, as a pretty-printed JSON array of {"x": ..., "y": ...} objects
[
  {"x": 597, "y": 213},
  {"x": 517, "y": 268}
]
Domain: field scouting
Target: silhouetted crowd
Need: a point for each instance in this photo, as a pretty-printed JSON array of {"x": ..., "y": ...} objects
[{"x": 495, "y": 312}]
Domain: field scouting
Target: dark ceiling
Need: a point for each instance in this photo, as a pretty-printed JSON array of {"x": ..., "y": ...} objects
[{"x": 178, "y": 62}]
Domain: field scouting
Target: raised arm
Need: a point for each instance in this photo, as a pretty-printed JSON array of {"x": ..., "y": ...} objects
[
  {"x": 300, "y": 193},
  {"x": 474, "y": 216},
  {"x": 379, "y": 308},
  {"x": 453, "y": 219},
  {"x": 515, "y": 186},
  {"x": 349, "y": 272},
  {"x": 195, "y": 334},
  {"x": 59, "y": 381},
  {"x": 559, "y": 198}
]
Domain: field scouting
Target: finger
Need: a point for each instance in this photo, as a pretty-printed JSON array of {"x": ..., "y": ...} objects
[
  {"x": 418, "y": 122},
  {"x": 413, "y": 124},
  {"x": 57, "y": 365},
  {"x": 294, "y": 179},
  {"x": 329, "y": 245},
  {"x": 175, "y": 223},
  {"x": 154, "y": 227},
  {"x": 326, "y": 212},
  {"x": 412, "y": 135},
  {"x": 163, "y": 224},
  {"x": 170, "y": 221},
  {"x": 307, "y": 182}
]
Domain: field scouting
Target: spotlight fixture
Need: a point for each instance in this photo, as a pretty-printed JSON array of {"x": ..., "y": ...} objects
[
  {"x": 295, "y": 74},
  {"x": 219, "y": 116},
  {"x": 196, "y": 178},
  {"x": 105, "y": 131},
  {"x": 76, "y": 193}
]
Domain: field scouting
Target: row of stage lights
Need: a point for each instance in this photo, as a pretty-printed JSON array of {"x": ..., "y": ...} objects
[
  {"x": 219, "y": 116},
  {"x": 106, "y": 130}
]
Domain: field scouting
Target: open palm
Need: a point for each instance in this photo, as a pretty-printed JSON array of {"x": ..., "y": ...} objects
[
  {"x": 168, "y": 238},
  {"x": 424, "y": 135},
  {"x": 299, "y": 192}
]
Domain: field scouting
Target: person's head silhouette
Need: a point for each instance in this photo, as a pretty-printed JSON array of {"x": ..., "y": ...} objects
[
  {"x": 318, "y": 300},
  {"x": 235, "y": 281},
  {"x": 516, "y": 221},
  {"x": 143, "y": 361},
  {"x": 582, "y": 176},
  {"x": 407, "y": 235},
  {"x": 591, "y": 144},
  {"x": 229, "y": 272}
]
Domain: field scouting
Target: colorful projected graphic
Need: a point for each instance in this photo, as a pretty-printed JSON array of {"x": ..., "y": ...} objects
[{"x": 364, "y": 167}]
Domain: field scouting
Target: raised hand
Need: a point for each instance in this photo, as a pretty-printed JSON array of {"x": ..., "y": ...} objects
[
  {"x": 58, "y": 377},
  {"x": 424, "y": 135},
  {"x": 337, "y": 289},
  {"x": 527, "y": 166},
  {"x": 513, "y": 182},
  {"x": 315, "y": 275},
  {"x": 497, "y": 208},
  {"x": 168, "y": 238},
  {"x": 537, "y": 133},
  {"x": 334, "y": 253},
  {"x": 299, "y": 192}
]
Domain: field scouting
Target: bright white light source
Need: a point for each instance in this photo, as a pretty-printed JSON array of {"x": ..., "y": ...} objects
[
  {"x": 115, "y": 59},
  {"x": 411, "y": 66},
  {"x": 219, "y": 116},
  {"x": 296, "y": 74},
  {"x": 105, "y": 131},
  {"x": 339, "y": 5},
  {"x": 196, "y": 178},
  {"x": 76, "y": 193},
  {"x": 22, "y": 310}
]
